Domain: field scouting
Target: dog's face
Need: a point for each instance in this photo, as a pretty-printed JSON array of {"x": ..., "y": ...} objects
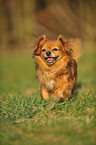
[{"x": 51, "y": 50}]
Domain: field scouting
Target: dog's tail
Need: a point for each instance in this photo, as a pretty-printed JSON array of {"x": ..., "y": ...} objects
[{"x": 76, "y": 48}]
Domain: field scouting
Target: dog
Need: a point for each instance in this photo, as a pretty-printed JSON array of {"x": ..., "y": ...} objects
[{"x": 56, "y": 67}]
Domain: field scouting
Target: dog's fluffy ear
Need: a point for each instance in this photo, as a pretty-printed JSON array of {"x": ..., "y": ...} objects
[
  {"x": 66, "y": 45},
  {"x": 60, "y": 38},
  {"x": 40, "y": 41}
]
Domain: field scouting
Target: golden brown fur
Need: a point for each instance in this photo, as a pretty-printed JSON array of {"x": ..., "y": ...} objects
[{"x": 56, "y": 67}]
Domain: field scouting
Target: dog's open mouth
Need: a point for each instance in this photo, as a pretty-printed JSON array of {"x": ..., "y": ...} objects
[{"x": 51, "y": 60}]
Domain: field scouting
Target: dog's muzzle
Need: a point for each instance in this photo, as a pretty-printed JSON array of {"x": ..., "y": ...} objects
[{"x": 48, "y": 53}]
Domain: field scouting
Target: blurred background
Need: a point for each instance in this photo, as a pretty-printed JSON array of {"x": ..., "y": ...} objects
[{"x": 23, "y": 21}]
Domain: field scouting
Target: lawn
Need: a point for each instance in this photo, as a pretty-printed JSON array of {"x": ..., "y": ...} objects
[{"x": 26, "y": 120}]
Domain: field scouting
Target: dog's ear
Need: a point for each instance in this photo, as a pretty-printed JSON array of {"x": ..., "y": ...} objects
[
  {"x": 60, "y": 38},
  {"x": 40, "y": 41},
  {"x": 66, "y": 45}
]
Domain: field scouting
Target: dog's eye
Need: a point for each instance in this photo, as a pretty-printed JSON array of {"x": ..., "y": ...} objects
[
  {"x": 55, "y": 49},
  {"x": 43, "y": 50}
]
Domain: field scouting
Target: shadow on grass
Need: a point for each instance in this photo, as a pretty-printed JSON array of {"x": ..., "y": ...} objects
[{"x": 79, "y": 85}]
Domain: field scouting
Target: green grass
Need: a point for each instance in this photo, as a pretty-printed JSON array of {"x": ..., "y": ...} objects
[{"x": 26, "y": 120}]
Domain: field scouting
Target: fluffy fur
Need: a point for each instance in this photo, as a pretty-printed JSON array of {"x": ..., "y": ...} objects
[{"x": 56, "y": 67}]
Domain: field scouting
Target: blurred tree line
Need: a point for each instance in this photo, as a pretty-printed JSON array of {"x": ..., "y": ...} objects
[{"x": 22, "y": 21}]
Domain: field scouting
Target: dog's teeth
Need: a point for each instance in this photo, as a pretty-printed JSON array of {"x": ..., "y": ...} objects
[{"x": 50, "y": 59}]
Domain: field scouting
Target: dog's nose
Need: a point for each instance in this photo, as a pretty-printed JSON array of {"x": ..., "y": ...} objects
[{"x": 48, "y": 53}]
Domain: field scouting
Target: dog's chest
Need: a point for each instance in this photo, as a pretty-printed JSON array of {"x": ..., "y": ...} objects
[
  {"x": 50, "y": 85},
  {"x": 47, "y": 79}
]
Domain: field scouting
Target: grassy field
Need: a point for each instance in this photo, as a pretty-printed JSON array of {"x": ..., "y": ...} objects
[{"x": 26, "y": 120}]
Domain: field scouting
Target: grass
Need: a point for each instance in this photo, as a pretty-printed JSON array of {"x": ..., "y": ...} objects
[{"x": 26, "y": 120}]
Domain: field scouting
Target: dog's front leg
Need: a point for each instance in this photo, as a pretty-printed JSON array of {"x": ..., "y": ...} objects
[
  {"x": 58, "y": 94},
  {"x": 44, "y": 93},
  {"x": 63, "y": 93}
]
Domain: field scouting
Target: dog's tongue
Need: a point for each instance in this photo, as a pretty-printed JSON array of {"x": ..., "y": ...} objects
[{"x": 50, "y": 59}]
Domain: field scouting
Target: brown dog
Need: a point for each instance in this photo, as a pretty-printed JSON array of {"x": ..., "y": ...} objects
[{"x": 56, "y": 67}]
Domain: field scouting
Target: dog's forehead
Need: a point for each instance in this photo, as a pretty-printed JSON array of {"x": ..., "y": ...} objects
[{"x": 50, "y": 43}]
